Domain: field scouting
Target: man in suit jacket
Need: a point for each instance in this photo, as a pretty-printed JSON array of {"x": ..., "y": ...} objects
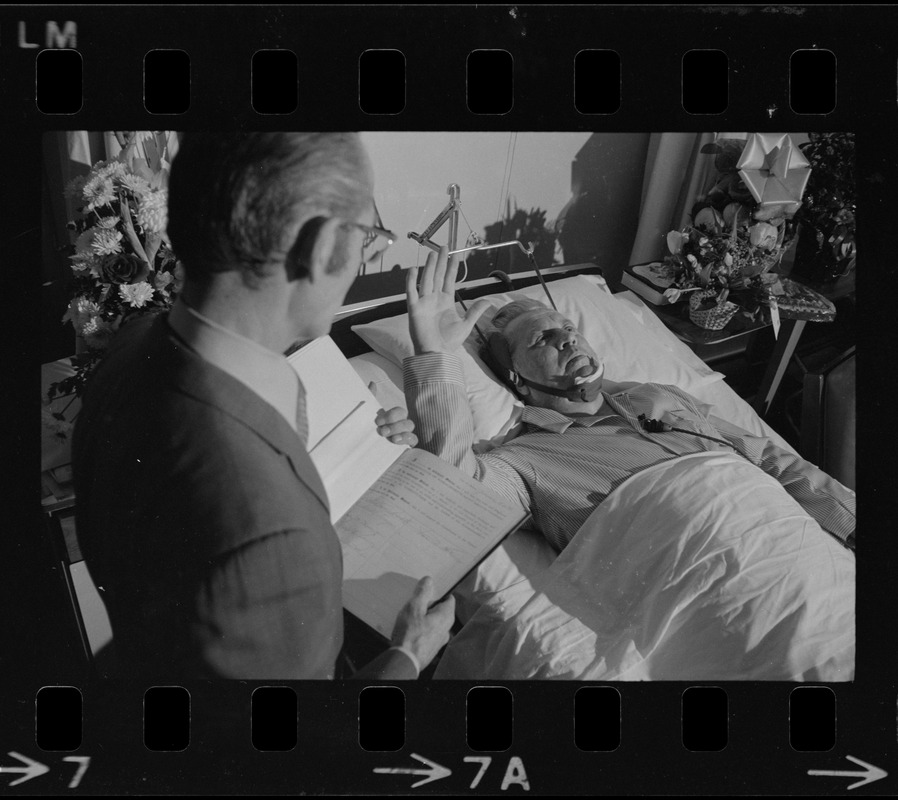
[{"x": 202, "y": 519}]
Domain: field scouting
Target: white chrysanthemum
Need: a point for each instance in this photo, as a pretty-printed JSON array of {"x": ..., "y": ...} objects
[
  {"x": 97, "y": 333},
  {"x": 80, "y": 312},
  {"x": 113, "y": 170},
  {"x": 152, "y": 215},
  {"x": 106, "y": 242},
  {"x": 107, "y": 222},
  {"x": 135, "y": 184},
  {"x": 136, "y": 294},
  {"x": 84, "y": 243},
  {"x": 83, "y": 261},
  {"x": 98, "y": 191}
]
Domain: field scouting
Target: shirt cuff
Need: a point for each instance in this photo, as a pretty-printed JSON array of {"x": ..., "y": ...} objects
[
  {"x": 411, "y": 656},
  {"x": 430, "y": 367}
]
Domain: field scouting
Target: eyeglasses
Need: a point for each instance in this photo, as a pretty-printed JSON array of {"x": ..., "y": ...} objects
[{"x": 375, "y": 243}]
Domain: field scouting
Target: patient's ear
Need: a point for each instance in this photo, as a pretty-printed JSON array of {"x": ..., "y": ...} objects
[
  {"x": 313, "y": 249},
  {"x": 520, "y": 387}
]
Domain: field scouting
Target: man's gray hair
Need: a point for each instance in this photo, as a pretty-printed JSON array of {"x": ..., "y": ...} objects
[
  {"x": 512, "y": 310},
  {"x": 238, "y": 200}
]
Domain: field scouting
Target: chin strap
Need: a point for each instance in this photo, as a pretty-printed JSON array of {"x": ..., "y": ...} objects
[
  {"x": 498, "y": 358},
  {"x": 584, "y": 393}
]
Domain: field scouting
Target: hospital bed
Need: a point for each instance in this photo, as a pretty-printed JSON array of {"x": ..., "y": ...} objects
[{"x": 624, "y": 607}]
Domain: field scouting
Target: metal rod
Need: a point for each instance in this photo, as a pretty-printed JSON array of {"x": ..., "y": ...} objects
[
  {"x": 542, "y": 281},
  {"x": 527, "y": 250}
]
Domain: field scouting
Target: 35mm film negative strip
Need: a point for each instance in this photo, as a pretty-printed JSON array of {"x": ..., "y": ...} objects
[{"x": 569, "y": 126}]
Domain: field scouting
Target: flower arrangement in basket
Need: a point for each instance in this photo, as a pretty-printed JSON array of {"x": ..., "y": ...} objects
[
  {"x": 727, "y": 258},
  {"x": 122, "y": 263}
]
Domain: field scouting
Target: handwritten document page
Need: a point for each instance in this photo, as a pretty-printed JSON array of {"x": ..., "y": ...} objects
[{"x": 422, "y": 517}]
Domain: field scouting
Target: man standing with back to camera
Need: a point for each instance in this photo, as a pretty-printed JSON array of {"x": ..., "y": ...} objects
[{"x": 202, "y": 519}]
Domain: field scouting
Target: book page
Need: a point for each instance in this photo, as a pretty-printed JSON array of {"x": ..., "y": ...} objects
[
  {"x": 343, "y": 441},
  {"x": 333, "y": 388},
  {"x": 351, "y": 457},
  {"x": 422, "y": 517}
]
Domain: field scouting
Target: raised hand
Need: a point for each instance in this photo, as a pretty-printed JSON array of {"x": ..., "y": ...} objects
[{"x": 434, "y": 323}]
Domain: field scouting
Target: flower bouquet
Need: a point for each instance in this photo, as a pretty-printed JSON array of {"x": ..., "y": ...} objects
[
  {"x": 728, "y": 257},
  {"x": 122, "y": 262},
  {"x": 727, "y": 269}
]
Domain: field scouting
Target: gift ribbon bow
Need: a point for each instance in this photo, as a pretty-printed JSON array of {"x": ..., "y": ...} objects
[{"x": 774, "y": 170}]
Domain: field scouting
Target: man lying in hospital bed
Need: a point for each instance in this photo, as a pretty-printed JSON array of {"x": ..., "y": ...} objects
[{"x": 695, "y": 563}]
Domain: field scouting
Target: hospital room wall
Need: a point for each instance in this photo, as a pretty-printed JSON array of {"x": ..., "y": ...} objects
[{"x": 588, "y": 184}]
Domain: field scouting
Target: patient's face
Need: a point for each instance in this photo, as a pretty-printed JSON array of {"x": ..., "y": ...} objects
[{"x": 546, "y": 347}]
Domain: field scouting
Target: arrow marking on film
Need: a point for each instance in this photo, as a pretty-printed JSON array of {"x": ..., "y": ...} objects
[
  {"x": 32, "y": 769},
  {"x": 434, "y": 771},
  {"x": 869, "y": 774}
]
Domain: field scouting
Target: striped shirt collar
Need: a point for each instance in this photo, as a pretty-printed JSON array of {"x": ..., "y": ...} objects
[
  {"x": 553, "y": 421},
  {"x": 265, "y": 372}
]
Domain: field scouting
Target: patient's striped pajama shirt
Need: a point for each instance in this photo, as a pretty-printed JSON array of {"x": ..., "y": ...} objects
[{"x": 560, "y": 467}]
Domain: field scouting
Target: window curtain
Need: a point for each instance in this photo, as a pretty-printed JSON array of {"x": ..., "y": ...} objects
[{"x": 676, "y": 173}]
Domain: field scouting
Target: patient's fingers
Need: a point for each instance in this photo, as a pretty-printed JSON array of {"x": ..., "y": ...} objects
[
  {"x": 409, "y": 438},
  {"x": 427, "y": 279},
  {"x": 395, "y": 414},
  {"x": 439, "y": 272},
  {"x": 449, "y": 280},
  {"x": 391, "y": 429},
  {"x": 475, "y": 312},
  {"x": 411, "y": 284}
]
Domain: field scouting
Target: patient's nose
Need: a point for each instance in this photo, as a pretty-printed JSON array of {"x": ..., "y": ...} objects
[{"x": 566, "y": 338}]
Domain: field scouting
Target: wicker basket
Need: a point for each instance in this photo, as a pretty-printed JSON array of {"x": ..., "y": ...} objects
[{"x": 714, "y": 318}]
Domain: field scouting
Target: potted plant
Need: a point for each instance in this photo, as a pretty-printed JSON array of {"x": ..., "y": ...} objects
[{"x": 827, "y": 248}]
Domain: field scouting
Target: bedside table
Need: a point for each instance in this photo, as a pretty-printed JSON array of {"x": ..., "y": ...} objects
[
  {"x": 800, "y": 305},
  {"x": 710, "y": 346}
]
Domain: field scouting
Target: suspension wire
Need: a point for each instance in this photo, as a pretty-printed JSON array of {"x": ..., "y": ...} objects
[{"x": 506, "y": 184}]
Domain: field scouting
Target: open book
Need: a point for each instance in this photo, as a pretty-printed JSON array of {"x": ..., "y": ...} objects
[{"x": 400, "y": 513}]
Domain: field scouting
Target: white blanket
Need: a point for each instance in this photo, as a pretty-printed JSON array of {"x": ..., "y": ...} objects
[{"x": 700, "y": 568}]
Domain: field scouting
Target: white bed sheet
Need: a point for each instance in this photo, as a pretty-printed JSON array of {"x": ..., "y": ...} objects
[{"x": 699, "y": 568}]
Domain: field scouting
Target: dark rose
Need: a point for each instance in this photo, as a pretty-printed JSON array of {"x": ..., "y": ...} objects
[{"x": 123, "y": 268}]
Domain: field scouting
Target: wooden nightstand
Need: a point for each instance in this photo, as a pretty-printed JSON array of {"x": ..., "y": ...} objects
[
  {"x": 801, "y": 304},
  {"x": 710, "y": 346}
]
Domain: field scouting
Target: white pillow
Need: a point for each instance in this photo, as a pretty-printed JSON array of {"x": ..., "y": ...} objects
[{"x": 632, "y": 341}]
